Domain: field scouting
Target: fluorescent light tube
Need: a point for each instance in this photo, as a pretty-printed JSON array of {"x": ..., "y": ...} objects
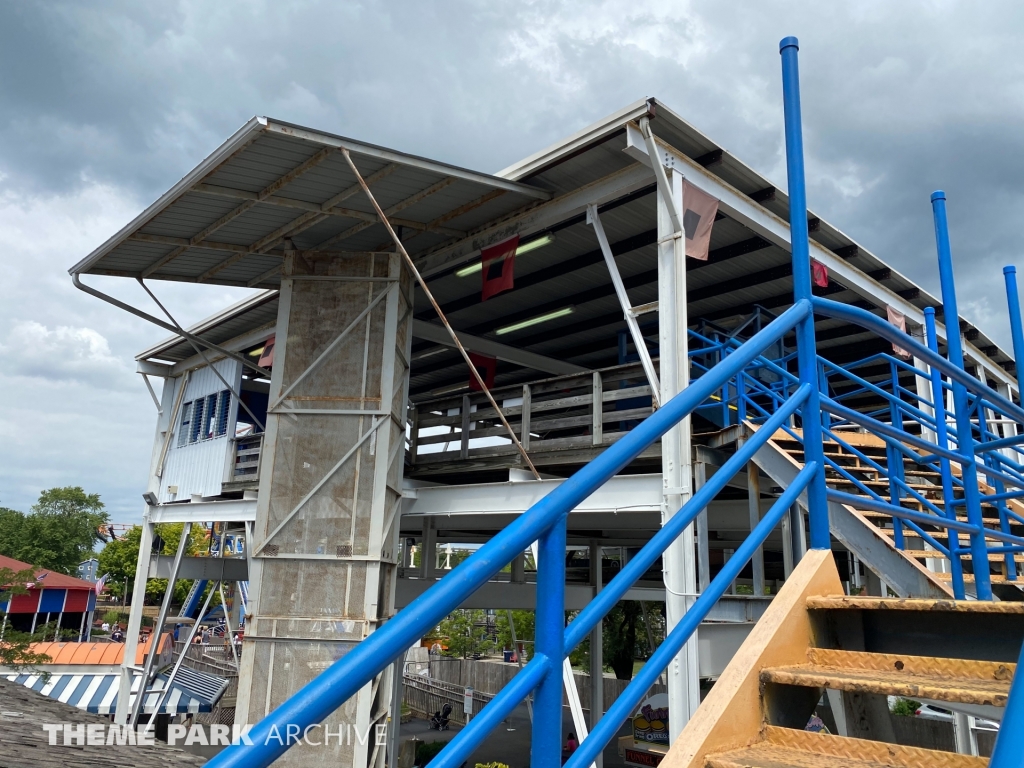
[
  {"x": 536, "y": 320},
  {"x": 532, "y": 245}
]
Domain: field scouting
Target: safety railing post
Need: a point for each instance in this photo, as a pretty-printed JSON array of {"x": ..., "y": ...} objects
[
  {"x": 895, "y": 457},
  {"x": 964, "y": 436},
  {"x": 1009, "y": 744},
  {"x": 546, "y": 745},
  {"x": 942, "y": 441},
  {"x": 807, "y": 358},
  {"x": 1016, "y": 330}
]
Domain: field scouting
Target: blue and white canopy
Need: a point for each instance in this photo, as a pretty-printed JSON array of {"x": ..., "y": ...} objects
[{"x": 190, "y": 693}]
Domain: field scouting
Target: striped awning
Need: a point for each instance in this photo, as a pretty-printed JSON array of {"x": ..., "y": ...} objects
[{"x": 191, "y": 691}]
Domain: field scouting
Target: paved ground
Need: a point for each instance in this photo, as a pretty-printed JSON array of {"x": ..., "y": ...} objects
[{"x": 509, "y": 743}]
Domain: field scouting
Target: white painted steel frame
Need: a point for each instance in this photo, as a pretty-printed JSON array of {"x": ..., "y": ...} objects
[
  {"x": 627, "y": 308},
  {"x": 772, "y": 228},
  {"x": 676, "y": 453}
]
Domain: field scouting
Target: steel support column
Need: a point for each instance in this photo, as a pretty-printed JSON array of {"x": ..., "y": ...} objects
[{"x": 680, "y": 571}]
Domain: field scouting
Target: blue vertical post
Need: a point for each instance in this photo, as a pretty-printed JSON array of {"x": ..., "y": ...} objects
[
  {"x": 964, "y": 437},
  {"x": 895, "y": 457},
  {"x": 1010, "y": 740},
  {"x": 546, "y": 746},
  {"x": 1016, "y": 331},
  {"x": 942, "y": 440},
  {"x": 807, "y": 356}
]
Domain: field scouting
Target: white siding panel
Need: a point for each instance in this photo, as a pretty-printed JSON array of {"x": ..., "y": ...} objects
[{"x": 199, "y": 467}]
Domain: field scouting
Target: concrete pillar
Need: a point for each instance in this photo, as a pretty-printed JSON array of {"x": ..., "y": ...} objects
[
  {"x": 680, "y": 572},
  {"x": 754, "y": 515},
  {"x": 325, "y": 549}
]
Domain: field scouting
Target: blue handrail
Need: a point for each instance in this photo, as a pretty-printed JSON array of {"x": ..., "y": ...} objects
[{"x": 320, "y": 697}]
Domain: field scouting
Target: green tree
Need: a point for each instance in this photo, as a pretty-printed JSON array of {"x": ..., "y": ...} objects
[
  {"x": 120, "y": 557},
  {"x": 59, "y": 533},
  {"x": 465, "y": 633}
]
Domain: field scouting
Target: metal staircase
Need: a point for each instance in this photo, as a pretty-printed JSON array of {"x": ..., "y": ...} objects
[
  {"x": 804, "y": 429},
  {"x": 814, "y": 638}
]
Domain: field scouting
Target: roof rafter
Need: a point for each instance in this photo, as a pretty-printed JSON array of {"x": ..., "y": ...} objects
[
  {"x": 230, "y": 216},
  {"x": 297, "y": 225}
]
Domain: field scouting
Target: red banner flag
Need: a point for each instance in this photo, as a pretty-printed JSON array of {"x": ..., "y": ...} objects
[
  {"x": 898, "y": 319},
  {"x": 486, "y": 366},
  {"x": 699, "y": 211},
  {"x": 267, "y": 355},
  {"x": 497, "y": 263},
  {"x": 819, "y": 274}
]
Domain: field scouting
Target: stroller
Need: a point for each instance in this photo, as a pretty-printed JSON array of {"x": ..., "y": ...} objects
[{"x": 440, "y": 720}]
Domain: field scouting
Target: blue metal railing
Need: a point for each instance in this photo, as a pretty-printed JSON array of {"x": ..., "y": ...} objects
[{"x": 730, "y": 381}]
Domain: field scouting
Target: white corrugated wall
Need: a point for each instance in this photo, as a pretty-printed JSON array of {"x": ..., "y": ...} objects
[{"x": 200, "y": 467}]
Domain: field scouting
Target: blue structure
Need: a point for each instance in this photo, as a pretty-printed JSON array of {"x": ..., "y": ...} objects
[{"x": 805, "y": 396}]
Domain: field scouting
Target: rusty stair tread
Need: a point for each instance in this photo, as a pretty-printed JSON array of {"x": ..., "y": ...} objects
[
  {"x": 995, "y": 578},
  {"x": 918, "y": 677},
  {"x": 822, "y": 603},
  {"x": 788, "y": 748}
]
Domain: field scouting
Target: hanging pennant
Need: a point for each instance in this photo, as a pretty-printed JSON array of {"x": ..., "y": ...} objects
[
  {"x": 497, "y": 263},
  {"x": 267, "y": 355},
  {"x": 486, "y": 366},
  {"x": 899, "y": 320},
  {"x": 699, "y": 211},
  {"x": 819, "y": 274}
]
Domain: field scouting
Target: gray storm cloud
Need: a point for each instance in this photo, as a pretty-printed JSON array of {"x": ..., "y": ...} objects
[{"x": 106, "y": 105}]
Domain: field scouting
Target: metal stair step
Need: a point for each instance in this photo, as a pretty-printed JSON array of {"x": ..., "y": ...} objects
[
  {"x": 916, "y": 677},
  {"x": 846, "y": 602},
  {"x": 788, "y": 748}
]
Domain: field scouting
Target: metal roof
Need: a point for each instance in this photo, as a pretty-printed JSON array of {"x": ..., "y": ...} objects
[
  {"x": 250, "y": 314},
  {"x": 744, "y": 269},
  {"x": 225, "y": 223}
]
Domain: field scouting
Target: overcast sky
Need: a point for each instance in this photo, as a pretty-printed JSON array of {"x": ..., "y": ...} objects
[{"x": 106, "y": 104}]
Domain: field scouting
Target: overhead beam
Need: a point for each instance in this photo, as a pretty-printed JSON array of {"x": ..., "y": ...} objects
[
  {"x": 535, "y": 218},
  {"x": 438, "y": 335},
  {"x": 763, "y": 222}
]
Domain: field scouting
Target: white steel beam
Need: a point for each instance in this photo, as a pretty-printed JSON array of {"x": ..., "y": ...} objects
[
  {"x": 539, "y": 217},
  {"x": 421, "y": 329},
  {"x": 680, "y": 573},
  {"x": 763, "y": 222},
  {"x": 626, "y": 493},
  {"x": 627, "y": 308},
  {"x": 232, "y": 510}
]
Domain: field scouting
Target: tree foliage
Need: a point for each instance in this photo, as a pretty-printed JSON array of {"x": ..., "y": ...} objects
[
  {"x": 59, "y": 533},
  {"x": 465, "y": 633},
  {"x": 119, "y": 559}
]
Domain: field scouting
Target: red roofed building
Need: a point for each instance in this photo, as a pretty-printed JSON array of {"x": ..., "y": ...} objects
[{"x": 52, "y": 597}]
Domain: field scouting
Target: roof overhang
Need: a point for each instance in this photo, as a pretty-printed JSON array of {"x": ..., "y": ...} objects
[{"x": 228, "y": 220}]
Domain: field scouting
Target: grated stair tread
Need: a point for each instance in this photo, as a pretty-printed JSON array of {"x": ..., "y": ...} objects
[
  {"x": 786, "y": 748},
  {"x": 936, "y": 605},
  {"x": 915, "y": 677}
]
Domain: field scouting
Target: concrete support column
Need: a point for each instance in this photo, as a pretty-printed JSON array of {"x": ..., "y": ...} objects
[
  {"x": 325, "y": 549},
  {"x": 754, "y": 514},
  {"x": 680, "y": 573}
]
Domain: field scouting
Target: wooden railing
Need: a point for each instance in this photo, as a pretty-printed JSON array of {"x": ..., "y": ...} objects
[
  {"x": 246, "y": 465},
  {"x": 565, "y": 416}
]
